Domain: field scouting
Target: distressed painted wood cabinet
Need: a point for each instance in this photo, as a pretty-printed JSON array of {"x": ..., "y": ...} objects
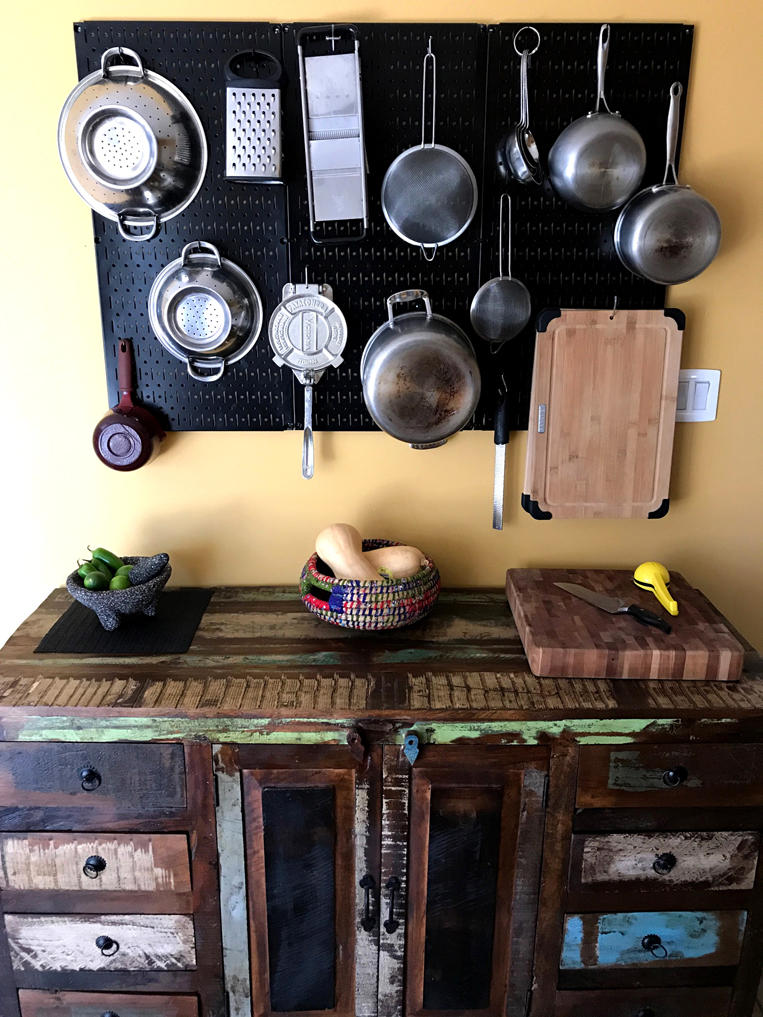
[{"x": 293, "y": 820}]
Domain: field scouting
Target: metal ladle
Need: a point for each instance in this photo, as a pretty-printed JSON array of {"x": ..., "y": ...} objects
[{"x": 501, "y": 307}]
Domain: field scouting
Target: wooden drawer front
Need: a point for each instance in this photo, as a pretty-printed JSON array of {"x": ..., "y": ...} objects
[
  {"x": 686, "y": 938},
  {"x": 68, "y": 943},
  {"x": 35, "y": 1003},
  {"x": 714, "y": 1002},
  {"x": 654, "y": 861},
  {"x": 130, "y": 777},
  {"x": 670, "y": 775},
  {"x": 72, "y": 861}
]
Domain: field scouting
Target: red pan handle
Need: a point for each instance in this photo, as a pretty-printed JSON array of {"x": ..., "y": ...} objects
[{"x": 124, "y": 375}]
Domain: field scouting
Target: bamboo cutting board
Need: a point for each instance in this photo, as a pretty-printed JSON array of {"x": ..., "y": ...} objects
[
  {"x": 563, "y": 637},
  {"x": 602, "y": 414}
]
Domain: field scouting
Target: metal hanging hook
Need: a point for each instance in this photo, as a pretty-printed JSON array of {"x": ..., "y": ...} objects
[{"x": 526, "y": 28}]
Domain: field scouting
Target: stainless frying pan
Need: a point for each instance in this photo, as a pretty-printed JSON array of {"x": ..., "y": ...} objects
[{"x": 668, "y": 233}]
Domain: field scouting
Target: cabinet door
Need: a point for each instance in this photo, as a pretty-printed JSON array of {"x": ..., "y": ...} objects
[
  {"x": 310, "y": 849},
  {"x": 474, "y": 848}
]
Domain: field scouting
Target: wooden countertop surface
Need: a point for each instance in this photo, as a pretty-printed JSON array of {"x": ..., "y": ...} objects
[{"x": 259, "y": 653}]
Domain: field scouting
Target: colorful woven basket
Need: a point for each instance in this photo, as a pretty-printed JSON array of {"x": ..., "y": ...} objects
[{"x": 367, "y": 604}]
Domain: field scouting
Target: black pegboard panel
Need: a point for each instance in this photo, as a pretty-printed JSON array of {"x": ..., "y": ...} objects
[
  {"x": 247, "y": 222},
  {"x": 566, "y": 258}
]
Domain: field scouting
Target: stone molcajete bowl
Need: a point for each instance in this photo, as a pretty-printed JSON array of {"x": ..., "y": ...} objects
[{"x": 110, "y": 605}]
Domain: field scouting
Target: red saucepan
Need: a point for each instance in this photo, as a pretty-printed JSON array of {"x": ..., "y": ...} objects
[{"x": 129, "y": 435}]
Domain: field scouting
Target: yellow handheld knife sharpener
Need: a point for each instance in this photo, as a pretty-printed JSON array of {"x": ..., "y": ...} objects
[{"x": 651, "y": 575}]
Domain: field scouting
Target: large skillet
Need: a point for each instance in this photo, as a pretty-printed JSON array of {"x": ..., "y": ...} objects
[{"x": 668, "y": 233}]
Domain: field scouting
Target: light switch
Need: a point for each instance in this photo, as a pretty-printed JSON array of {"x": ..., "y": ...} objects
[{"x": 697, "y": 397}]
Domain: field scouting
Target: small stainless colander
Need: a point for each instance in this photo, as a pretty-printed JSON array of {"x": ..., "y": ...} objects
[
  {"x": 118, "y": 147},
  {"x": 200, "y": 318}
]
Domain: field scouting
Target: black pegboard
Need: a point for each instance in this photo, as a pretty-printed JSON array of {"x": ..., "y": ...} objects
[{"x": 565, "y": 257}]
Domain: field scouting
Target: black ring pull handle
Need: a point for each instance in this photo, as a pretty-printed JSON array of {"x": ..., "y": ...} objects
[
  {"x": 393, "y": 885},
  {"x": 675, "y": 777},
  {"x": 646, "y": 1011},
  {"x": 368, "y": 884},
  {"x": 664, "y": 863},
  {"x": 653, "y": 944},
  {"x": 90, "y": 779},
  {"x": 107, "y": 946},
  {"x": 94, "y": 866}
]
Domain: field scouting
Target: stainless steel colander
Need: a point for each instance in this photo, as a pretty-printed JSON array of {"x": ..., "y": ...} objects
[
  {"x": 205, "y": 310},
  {"x": 132, "y": 145},
  {"x": 429, "y": 193}
]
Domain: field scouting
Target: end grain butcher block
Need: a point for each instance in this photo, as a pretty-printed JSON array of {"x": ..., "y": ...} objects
[
  {"x": 564, "y": 637},
  {"x": 603, "y": 408}
]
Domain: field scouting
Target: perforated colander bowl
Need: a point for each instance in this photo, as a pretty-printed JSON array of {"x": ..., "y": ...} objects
[
  {"x": 118, "y": 147},
  {"x": 205, "y": 310}
]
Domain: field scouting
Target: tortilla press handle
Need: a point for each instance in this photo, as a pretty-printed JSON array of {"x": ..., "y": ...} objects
[
  {"x": 308, "y": 449},
  {"x": 404, "y": 297},
  {"x": 671, "y": 141}
]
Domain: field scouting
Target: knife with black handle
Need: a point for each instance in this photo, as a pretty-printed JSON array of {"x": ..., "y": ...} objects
[{"x": 615, "y": 606}]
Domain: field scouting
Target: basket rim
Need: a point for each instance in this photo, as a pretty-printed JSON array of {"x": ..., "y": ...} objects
[{"x": 390, "y": 585}]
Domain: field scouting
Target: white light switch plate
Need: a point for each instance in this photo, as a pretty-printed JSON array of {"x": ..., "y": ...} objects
[{"x": 697, "y": 395}]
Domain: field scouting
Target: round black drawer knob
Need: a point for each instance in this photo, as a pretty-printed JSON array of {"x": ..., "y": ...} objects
[
  {"x": 664, "y": 863},
  {"x": 89, "y": 778},
  {"x": 675, "y": 777},
  {"x": 107, "y": 946},
  {"x": 94, "y": 866},
  {"x": 653, "y": 945}
]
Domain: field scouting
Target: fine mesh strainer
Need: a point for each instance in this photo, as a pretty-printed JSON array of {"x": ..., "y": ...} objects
[
  {"x": 429, "y": 193},
  {"x": 205, "y": 310},
  {"x": 501, "y": 306}
]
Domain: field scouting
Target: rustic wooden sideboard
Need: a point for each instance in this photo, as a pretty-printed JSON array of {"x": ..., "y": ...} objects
[{"x": 292, "y": 819}]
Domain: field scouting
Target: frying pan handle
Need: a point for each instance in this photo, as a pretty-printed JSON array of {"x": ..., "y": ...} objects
[
  {"x": 674, "y": 117},
  {"x": 404, "y": 297},
  {"x": 214, "y": 376},
  {"x": 200, "y": 248},
  {"x": 137, "y": 218},
  {"x": 124, "y": 368},
  {"x": 601, "y": 67},
  {"x": 120, "y": 51}
]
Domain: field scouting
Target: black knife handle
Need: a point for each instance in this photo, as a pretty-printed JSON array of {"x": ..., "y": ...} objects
[
  {"x": 501, "y": 421},
  {"x": 648, "y": 618}
]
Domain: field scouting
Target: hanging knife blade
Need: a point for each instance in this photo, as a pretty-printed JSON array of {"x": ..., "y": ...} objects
[
  {"x": 501, "y": 439},
  {"x": 615, "y": 606}
]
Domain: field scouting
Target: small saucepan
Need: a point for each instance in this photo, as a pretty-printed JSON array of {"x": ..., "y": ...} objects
[
  {"x": 421, "y": 380},
  {"x": 668, "y": 233},
  {"x": 128, "y": 436}
]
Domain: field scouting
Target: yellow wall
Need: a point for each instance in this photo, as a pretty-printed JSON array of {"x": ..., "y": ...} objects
[{"x": 232, "y": 508}]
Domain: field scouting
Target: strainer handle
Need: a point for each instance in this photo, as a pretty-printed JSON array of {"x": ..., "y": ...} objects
[
  {"x": 405, "y": 297},
  {"x": 137, "y": 218},
  {"x": 213, "y": 376},
  {"x": 120, "y": 51},
  {"x": 200, "y": 248}
]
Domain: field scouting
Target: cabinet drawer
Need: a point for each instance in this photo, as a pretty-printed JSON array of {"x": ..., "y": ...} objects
[
  {"x": 696, "y": 860},
  {"x": 635, "y": 1002},
  {"x": 35, "y": 1003},
  {"x": 670, "y": 775},
  {"x": 129, "y": 777},
  {"x": 641, "y": 939},
  {"x": 94, "y": 861},
  {"x": 132, "y": 942}
]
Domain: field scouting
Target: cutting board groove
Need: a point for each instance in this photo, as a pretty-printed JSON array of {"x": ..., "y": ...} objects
[{"x": 563, "y": 637}]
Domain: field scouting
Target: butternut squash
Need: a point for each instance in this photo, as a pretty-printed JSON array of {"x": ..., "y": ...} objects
[
  {"x": 341, "y": 547},
  {"x": 397, "y": 562}
]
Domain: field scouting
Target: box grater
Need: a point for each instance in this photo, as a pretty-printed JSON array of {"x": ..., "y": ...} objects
[{"x": 253, "y": 86}]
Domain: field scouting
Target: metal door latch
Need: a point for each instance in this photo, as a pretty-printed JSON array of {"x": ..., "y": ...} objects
[{"x": 411, "y": 747}]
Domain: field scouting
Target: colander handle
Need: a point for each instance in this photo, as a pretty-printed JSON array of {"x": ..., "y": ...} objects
[
  {"x": 200, "y": 249},
  {"x": 130, "y": 219},
  {"x": 120, "y": 51},
  {"x": 404, "y": 297},
  {"x": 213, "y": 376}
]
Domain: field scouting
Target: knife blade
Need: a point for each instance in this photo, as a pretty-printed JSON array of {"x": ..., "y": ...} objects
[
  {"x": 501, "y": 438},
  {"x": 614, "y": 606}
]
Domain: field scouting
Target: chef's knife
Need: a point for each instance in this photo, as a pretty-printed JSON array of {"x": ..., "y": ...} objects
[
  {"x": 615, "y": 606},
  {"x": 501, "y": 438}
]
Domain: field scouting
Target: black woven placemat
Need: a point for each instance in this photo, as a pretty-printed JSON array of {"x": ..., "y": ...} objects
[{"x": 171, "y": 630}]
